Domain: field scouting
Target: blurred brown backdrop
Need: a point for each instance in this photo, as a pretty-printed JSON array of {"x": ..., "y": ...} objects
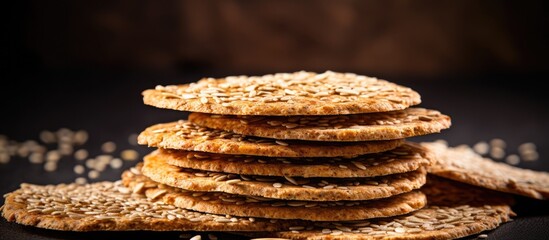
[{"x": 417, "y": 38}]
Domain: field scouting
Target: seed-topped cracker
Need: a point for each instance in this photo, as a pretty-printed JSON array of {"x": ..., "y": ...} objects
[
  {"x": 455, "y": 210},
  {"x": 356, "y": 127},
  {"x": 283, "y": 187},
  {"x": 109, "y": 206},
  {"x": 249, "y": 206},
  {"x": 405, "y": 158},
  {"x": 298, "y": 93},
  {"x": 464, "y": 165},
  {"x": 184, "y": 135}
]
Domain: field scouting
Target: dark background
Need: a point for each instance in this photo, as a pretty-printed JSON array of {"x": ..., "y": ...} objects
[{"x": 83, "y": 65}]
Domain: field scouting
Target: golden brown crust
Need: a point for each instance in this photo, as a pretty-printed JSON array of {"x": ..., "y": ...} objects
[
  {"x": 239, "y": 205},
  {"x": 405, "y": 158},
  {"x": 306, "y": 189},
  {"x": 358, "y": 127},
  {"x": 299, "y": 93},
  {"x": 19, "y": 208},
  {"x": 455, "y": 210},
  {"x": 187, "y": 136},
  {"x": 464, "y": 165}
]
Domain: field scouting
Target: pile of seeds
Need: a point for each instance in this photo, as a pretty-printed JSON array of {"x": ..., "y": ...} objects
[{"x": 68, "y": 145}]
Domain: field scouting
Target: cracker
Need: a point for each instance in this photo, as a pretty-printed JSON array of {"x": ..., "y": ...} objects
[
  {"x": 184, "y": 135},
  {"x": 358, "y": 127},
  {"x": 464, "y": 165},
  {"x": 288, "y": 188},
  {"x": 405, "y": 158},
  {"x": 240, "y": 205},
  {"x": 109, "y": 206},
  {"x": 299, "y": 93},
  {"x": 455, "y": 210}
]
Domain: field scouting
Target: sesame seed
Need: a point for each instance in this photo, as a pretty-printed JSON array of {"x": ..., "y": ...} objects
[
  {"x": 80, "y": 137},
  {"x": 4, "y": 158},
  {"x": 50, "y": 166},
  {"x": 483, "y": 236},
  {"x": 80, "y": 180},
  {"x": 497, "y": 153},
  {"x": 47, "y": 137},
  {"x": 232, "y": 181},
  {"x": 108, "y": 147},
  {"x": 129, "y": 155},
  {"x": 116, "y": 163},
  {"x": 282, "y": 143},
  {"x": 498, "y": 142},
  {"x": 93, "y": 174},
  {"x": 81, "y": 154},
  {"x": 277, "y": 185},
  {"x": 36, "y": 158},
  {"x": 481, "y": 148},
  {"x": 79, "y": 169},
  {"x": 132, "y": 139},
  {"x": 512, "y": 159}
]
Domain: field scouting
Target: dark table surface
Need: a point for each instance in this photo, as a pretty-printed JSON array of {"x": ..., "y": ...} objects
[{"x": 108, "y": 106}]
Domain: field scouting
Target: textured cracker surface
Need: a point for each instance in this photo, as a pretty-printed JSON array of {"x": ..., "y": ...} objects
[
  {"x": 358, "y": 127},
  {"x": 460, "y": 210},
  {"x": 342, "y": 189},
  {"x": 187, "y": 136},
  {"x": 464, "y": 165},
  {"x": 240, "y": 206},
  {"x": 299, "y": 93},
  {"x": 15, "y": 210},
  {"x": 405, "y": 158}
]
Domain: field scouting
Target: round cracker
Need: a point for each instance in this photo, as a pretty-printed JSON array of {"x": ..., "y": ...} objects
[
  {"x": 464, "y": 165},
  {"x": 184, "y": 135},
  {"x": 455, "y": 210},
  {"x": 299, "y": 93},
  {"x": 288, "y": 188},
  {"x": 109, "y": 206},
  {"x": 358, "y": 127},
  {"x": 405, "y": 158},
  {"x": 245, "y": 206}
]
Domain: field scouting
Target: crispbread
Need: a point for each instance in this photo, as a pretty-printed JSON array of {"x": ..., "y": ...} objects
[
  {"x": 109, "y": 206},
  {"x": 464, "y": 165},
  {"x": 454, "y": 211},
  {"x": 299, "y": 93},
  {"x": 184, "y": 135},
  {"x": 288, "y": 188},
  {"x": 240, "y": 205},
  {"x": 357, "y": 127},
  {"x": 405, "y": 158}
]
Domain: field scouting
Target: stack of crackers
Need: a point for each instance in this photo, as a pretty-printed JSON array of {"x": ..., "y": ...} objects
[{"x": 293, "y": 155}]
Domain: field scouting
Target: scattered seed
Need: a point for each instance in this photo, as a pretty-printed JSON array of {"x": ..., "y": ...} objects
[
  {"x": 4, "y": 158},
  {"x": 79, "y": 169},
  {"x": 116, "y": 163},
  {"x": 80, "y": 180},
  {"x": 81, "y": 154},
  {"x": 129, "y": 155},
  {"x": 277, "y": 185},
  {"x": 282, "y": 143},
  {"x": 512, "y": 159},
  {"x": 132, "y": 139},
  {"x": 108, "y": 147},
  {"x": 481, "y": 148},
  {"x": 50, "y": 166},
  {"x": 93, "y": 174},
  {"x": 497, "y": 153},
  {"x": 36, "y": 158}
]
